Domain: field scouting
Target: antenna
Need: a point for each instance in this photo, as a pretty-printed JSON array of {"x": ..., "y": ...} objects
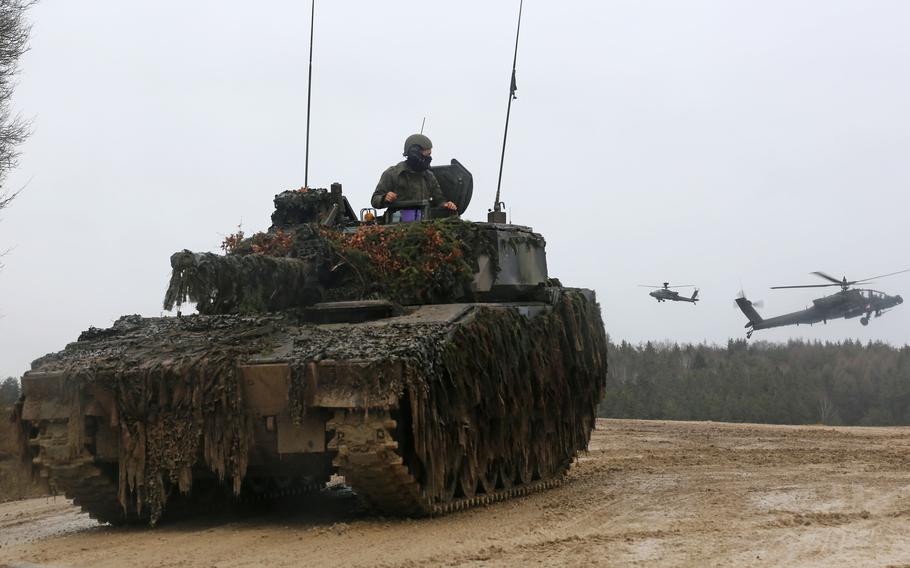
[
  {"x": 422, "y": 124},
  {"x": 497, "y": 215},
  {"x": 309, "y": 85}
]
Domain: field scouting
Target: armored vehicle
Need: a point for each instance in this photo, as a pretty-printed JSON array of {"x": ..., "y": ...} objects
[{"x": 434, "y": 365}]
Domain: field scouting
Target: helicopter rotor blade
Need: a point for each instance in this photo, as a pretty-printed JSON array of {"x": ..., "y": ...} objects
[
  {"x": 805, "y": 286},
  {"x": 881, "y": 276},
  {"x": 827, "y": 277},
  {"x": 647, "y": 286}
]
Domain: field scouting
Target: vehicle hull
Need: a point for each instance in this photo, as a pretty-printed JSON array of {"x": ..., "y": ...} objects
[{"x": 423, "y": 412}]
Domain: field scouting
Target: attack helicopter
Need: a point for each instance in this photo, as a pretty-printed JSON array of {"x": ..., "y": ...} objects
[
  {"x": 666, "y": 292},
  {"x": 848, "y": 303}
]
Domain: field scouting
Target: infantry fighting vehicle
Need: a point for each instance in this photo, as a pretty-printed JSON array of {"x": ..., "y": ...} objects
[{"x": 433, "y": 365}]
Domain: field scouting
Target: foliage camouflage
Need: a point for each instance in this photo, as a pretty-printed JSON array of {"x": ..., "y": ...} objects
[
  {"x": 297, "y": 263},
  {"x": 413, "y": 263},
  {"x": 242, "y": 283},
  {"x": 294, "y": 208}
]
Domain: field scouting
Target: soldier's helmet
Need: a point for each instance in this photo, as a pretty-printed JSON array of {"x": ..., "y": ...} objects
[{"x": 418, "y": 139}]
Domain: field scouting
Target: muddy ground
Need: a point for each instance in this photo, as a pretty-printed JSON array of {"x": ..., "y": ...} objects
[{"x": 648, "y": 493}]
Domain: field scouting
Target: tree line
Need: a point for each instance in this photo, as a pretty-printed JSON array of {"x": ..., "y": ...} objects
[
  {"x": 9, "y": 392},
  {"x": 844, "y": 383}
]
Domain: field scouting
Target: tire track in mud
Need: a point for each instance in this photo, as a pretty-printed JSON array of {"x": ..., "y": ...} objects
[{"x": 48, "y": 517}]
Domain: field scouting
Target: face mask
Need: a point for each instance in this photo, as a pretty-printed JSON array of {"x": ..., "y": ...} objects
[{"x": 416, "y": 160}]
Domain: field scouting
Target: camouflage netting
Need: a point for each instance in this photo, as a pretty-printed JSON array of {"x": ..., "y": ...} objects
[
  {"x": 297, "y": 262},
  {"x": 485, "y": 386},
  {"x": 251, "y": 283},
  {"x": 175, "y": 385},
  {"x": 294, "y": 208},
  {"x": 504, "y": 380}
]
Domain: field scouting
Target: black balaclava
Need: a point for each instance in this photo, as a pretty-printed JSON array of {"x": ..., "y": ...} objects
[{"x": 416, "y": 160}]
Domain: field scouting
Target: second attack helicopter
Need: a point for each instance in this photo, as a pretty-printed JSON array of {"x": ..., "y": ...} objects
[
  {"x": 848, "y": 303},
  {"x": 666, "y": 292}
]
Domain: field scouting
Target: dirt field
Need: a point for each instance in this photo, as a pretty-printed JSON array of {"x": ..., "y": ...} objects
[{"x": 648, "y": 493}]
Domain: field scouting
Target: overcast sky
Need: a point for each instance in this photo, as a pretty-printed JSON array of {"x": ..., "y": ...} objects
[{"x": 718, "y": 143}]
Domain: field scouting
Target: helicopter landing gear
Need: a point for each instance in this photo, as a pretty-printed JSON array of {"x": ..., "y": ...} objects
[{"x": 864, "y": 320}]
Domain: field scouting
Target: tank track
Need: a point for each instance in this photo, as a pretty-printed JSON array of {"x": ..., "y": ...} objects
[
  {"x": 96, "y": 491},
  {"x": 368, "y": 457},
  {"x": 79, "y": 478},
  {"x": 369, "y": 461}
]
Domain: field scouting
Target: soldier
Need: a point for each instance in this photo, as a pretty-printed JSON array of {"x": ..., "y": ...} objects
[{"x": 411, "y": 180}]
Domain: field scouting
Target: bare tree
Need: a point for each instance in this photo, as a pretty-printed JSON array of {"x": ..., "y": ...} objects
[
  {"x": 825, "y": 409},
  {"x": 14, "y": 31}
]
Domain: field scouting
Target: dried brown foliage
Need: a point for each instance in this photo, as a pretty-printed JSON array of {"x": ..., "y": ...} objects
[{"x": 232, "y": 242}]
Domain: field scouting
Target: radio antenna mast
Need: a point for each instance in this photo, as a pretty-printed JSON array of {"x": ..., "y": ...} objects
[
  {"x": 309, "y": 88},
  {"x": 422, "y": 124},
  {"x": 497, "y": 215}
]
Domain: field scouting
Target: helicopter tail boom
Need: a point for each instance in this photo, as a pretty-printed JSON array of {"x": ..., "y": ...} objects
[{"x": 746, "y": 306}]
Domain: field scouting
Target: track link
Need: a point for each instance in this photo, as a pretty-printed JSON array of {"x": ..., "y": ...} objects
[
  {"x": 368, "y": 459},
  {"x": 78, "y": 477}
]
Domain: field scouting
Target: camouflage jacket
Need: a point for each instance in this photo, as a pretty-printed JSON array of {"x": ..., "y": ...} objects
[{"x": 409, "y": 185}]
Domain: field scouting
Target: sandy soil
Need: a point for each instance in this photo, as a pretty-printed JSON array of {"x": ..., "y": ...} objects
[{"x": 648, "y": 493}]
